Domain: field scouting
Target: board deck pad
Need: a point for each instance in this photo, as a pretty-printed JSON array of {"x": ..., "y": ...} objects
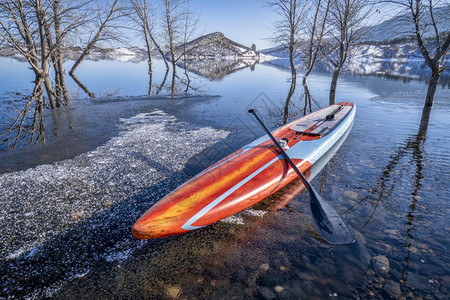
[{"x": 317, "y": 124}]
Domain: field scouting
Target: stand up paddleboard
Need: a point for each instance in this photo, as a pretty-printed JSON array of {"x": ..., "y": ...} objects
[{"x": 248, "y": 175}]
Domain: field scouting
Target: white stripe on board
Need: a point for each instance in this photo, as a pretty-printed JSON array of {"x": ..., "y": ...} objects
[{"x": 188, "y": 225}]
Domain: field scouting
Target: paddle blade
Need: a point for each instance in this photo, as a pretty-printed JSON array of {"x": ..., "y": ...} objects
[{"x": 328, "y": 222}]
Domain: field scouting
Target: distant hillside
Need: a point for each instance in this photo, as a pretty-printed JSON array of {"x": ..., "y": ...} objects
[
  {"x": 389, "y": 48},
  {"x": 216, "y": 45},
  {"x": 130, "y": 54},
  {"x": 401, "y": 28}
]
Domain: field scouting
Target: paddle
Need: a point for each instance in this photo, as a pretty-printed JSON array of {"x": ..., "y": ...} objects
[{"x": 327, "y": 221}]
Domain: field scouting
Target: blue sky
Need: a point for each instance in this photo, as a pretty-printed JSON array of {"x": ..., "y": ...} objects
[
  {"x": 248, "y": 22},
  {"x": 243, "y": 21}
]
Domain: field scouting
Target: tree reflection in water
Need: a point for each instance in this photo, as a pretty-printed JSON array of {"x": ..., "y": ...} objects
[
  {"x": 28, "y": 125},
  {"x": 386, "y": 183},
  {"x": 292, "y": 110},
  {"x": 384, "y": 187}
]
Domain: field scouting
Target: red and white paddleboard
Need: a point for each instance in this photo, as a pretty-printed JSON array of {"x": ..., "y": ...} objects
[{"x": 248, "y": 175}]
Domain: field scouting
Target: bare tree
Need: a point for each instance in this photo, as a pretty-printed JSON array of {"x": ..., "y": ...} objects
[
  {"x": 173, "y": 23},
  {"x": 55, "y": 41},
  {"x": 22, "y": 26},
  {"x": 36, "y": 29},
  {"x": 347, "y": 18},
  {"x": 287, "y": 31},
  {"x": 142, "y": 18},
  {"x": 433, "y": 41},
  {"x": 190, "y": 26},
  {"x": 61, "y": 20},
  {"x": 316, "y": 26},
  {"x": 103, "y": 23}
]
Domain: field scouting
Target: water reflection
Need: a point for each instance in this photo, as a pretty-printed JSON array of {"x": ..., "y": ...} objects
[
  {"x": 386, "y": 184},
  {"x": 217, "y": 69},
  {"x": 416, "y": 145},
  {"x": 291, "y": 109},
  {"x": 82, "y": 86},
  {"x": 28, "y": 125},
  {"x": 399, "y": 70}
]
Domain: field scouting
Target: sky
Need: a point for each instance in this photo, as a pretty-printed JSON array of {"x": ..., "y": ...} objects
[
  {"x": 243, "y": 21},
  {"x": 247, "y": 22}
]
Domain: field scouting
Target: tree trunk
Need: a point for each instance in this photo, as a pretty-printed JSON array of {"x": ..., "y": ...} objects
[
  {"x": 58, "y": 91},
  {"x": 307, "y": 98},
  {"x": 149, "y": 60},
  {"x": 38, "y": 117},
  {"x": 186, "y": 73},
  {"x": 432, "y": 85},
  {"x": 95, "y": 39},
  {"x": 174, "y": 75},
  {"x": 333, "y": 86},
  {"x": 82, "y": 86},
  {"x": 293, "y": 85},
  {"x": 62, "y": 78},
  {"x": 59, "y": 54},
  {"x": 40, "y": 14},
  {"x": 163, "y": 82}
]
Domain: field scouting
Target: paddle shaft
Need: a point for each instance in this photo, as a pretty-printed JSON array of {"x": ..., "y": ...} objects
[
  {"x": 291, "y": 163},
  {"x": 326, "y": 220}
]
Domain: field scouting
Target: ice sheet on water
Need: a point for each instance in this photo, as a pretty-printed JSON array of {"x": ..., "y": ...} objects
[
  {"x": 234, "y": 219},
  {"x": 41, "y": 203},
  {"x": 255, "y": 212},
  {"x": 239, "y": 218}
]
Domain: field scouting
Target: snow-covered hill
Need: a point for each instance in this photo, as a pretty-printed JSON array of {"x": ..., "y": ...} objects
[
  {"x": 216, "y": 45},
  {"x": 131, "y": 54},
  {"x": 401, "y": 28},
  {"x": 389, "y": 48},
  {"x": 214, "y": 56}
]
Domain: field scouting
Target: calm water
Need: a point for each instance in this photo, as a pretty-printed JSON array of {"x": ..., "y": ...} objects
[{"x": 389, "y": 181}]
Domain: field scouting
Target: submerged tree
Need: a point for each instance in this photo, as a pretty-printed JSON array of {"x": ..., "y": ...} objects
[
  {"x": 22, "y": 24},
  {"x": 189, "y": 28},
  {"x": 315, "y": 29},
  {"x": 433, "y": 41},
  {"x": 101, "y": 29},
  {"x": 180, "y": 26},
  {"x": 287, "y": 31},
  {"x": 25, "y": 27},
  {"x": 143, "y": 18},
  {"x": 347, "y": 18},
  {"x": 172, "y": 19}
]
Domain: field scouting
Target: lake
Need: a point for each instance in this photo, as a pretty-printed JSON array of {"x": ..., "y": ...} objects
[{"x": 68, "y": 205}]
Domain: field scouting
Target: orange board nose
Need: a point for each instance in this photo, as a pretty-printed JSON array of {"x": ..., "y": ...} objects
[{"x": 156, "y": 224}]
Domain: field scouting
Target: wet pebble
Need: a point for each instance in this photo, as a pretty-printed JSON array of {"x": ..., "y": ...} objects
[
  {"x": 264, "y": 267},
  {"x": 392, "y": 289},
  {"x": 383, "y": 247},
  {"x": 380, "y": 265},
  {"x": 173, "y": 291},
  {"x": 393, "y": 232},
  {"x": 266, "y": 293},
  {"x": 351, "y": 195},
  {"x": 279, "y": 289},
  {"x": 418, "y": 282}
]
